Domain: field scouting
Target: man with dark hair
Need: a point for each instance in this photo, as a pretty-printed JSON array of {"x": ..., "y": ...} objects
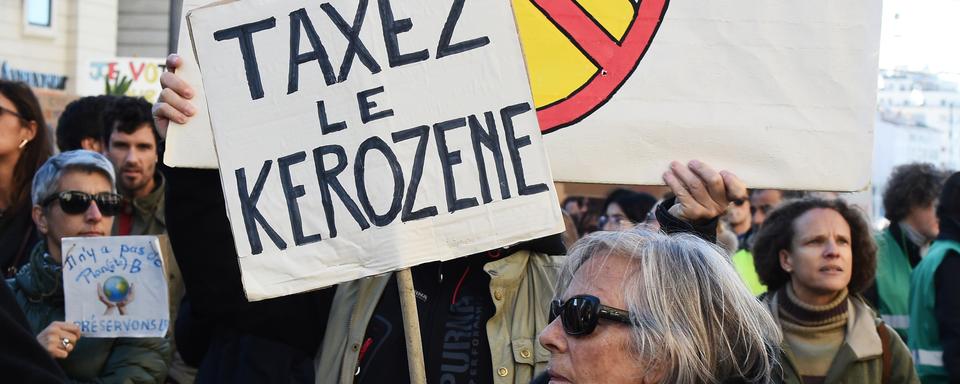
[
  {"x": 131, "y": 141},
  {"x": 908, "y": 201},
  {"x": 81, "y": 124}
]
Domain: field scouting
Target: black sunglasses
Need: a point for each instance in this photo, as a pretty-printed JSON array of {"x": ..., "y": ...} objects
[
  {"x": 579, "y": 314},
  {"x": 76, "y": 202}
]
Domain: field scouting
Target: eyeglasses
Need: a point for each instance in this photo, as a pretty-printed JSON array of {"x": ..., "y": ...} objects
[
  {"x": 765, "y": 209},
  {"x": 579, "y": 314},
  {"x": 76, "y": 202},
  {"x": 5, "y": 110},
  {"x": 617, "y": 219}
]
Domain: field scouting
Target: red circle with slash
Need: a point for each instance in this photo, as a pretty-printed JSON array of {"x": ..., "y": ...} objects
[{"x": 615, "y": 60}]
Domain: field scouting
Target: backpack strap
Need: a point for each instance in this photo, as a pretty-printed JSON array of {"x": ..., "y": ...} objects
[{"x": 887, "y": 356}]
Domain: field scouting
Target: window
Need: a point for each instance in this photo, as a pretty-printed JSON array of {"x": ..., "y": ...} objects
[
  {"x": 39, "y": 17},
  {"x": 39, "y": 12}
]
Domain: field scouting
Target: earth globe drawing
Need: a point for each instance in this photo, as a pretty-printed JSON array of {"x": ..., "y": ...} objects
[{"x": 116, "y": 288}]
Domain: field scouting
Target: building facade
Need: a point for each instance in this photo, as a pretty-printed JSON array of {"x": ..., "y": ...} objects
[
  {"x": 56, "y": 45},
  {"x": 918, "y": 121}
]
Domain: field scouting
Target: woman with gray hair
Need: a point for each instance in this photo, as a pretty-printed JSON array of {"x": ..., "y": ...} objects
[
  {"x": 74, "y": 195},
  {"x": 645, "y": 307},
  {"x": 641, "y": 306}
]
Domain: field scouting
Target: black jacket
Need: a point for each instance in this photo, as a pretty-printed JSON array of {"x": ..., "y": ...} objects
[
  {"x": 946, "y": 283},
  {"x": 231, "y": 339},
  {"x": 22, "y": 359}
]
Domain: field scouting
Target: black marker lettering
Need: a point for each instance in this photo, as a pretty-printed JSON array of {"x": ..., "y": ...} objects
[
  {"x": 326, "y": 127},
  {"x": 300, "y": 18},
  {"x": 292, "y": 193},
  {"x": 328, "y": 179},
  {"x": 423, "y": 132},
  {"x": 489, "y": 139},
  {"x": 447, "y": 161},
  {"x": 244, "y": 34},
  {"x": 514, "y": 144},
  {"x": 251, "y": 214},
  {"x": 358, "y": 171},
  {"x": 363, "y": 101},
  {"x": 444, "y": 48},
  {"x": 392, "y": 28},
  {"x": 355, "y": 46}
]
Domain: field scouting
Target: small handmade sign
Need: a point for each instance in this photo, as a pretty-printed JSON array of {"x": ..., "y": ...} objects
[{"x": 115, "y": 286}]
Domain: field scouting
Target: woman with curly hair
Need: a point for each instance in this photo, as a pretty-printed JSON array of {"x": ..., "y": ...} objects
[{"x": 816, "y": 257}]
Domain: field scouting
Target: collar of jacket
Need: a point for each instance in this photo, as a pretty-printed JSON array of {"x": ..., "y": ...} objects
[
  {"x": 862, "y": 338},
  {"x": 507, "y": 270},
  {"x": 41, "y": 279},
  {"x": 152, "y": 204}
]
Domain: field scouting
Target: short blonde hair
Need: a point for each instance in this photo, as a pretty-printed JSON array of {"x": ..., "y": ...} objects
[{"x": 695, "y": 320}]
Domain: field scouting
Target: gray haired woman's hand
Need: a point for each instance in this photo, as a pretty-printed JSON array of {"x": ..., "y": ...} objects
[{"x": 702, "y": 192}]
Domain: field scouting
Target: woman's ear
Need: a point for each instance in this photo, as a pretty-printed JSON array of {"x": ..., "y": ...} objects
[
  {"x": 28, "y": 131},
  {"x": 785, "y": 263},
  {"x": 40, "y": 219}
]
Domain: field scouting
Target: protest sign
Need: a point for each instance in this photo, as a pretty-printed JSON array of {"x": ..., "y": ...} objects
[
  {"x": 193, "y": 146},
  {"x": 782, "y": 93},
  {"x": 143, "y": 73},
  {"x": 361, "y": 137},
  {"x": 115, "y": 286}
]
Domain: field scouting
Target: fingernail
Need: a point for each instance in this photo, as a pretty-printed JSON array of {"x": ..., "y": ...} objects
[{"x": 694, "y": 163}]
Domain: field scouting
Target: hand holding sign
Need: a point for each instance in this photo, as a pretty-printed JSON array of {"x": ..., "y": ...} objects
[
  {"x": 174, "y": 102},
  {"x": 702, "y": 193},
  {"x": 59, "y": 338}
]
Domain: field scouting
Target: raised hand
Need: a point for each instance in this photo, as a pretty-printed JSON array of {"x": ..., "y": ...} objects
[
  {"x": 174, "y": 102},
  {"x": 702, "y": 192}
]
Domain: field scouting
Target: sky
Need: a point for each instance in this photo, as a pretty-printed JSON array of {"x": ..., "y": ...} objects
[{"x": 921, "y": 35}]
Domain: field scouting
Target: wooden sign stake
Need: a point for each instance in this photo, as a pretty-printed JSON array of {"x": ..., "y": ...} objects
[{"x": 411, "y": 327}]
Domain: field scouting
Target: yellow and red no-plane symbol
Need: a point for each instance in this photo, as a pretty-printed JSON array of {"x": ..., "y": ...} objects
[{"x": 580, "y": 52}]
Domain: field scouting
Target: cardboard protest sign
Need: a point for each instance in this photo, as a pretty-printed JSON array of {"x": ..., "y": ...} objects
[
  {"x": 115, "y": 286},
  {"x": 194, "y": 140},
  {"x": 360, "y": 137},
  {"x": 144, "y": 74},
  {"x": 781, "y": 93}
]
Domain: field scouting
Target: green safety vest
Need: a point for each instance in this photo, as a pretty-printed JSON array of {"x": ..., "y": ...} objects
[
  {"x": 893, "y": 283},
  {"x": 925, "y": 332},
  {"x": 743, "y": 263}
]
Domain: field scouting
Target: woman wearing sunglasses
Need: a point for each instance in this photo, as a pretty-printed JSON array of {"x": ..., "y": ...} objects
[
  {"x": 640, "y": 306},
  {"x": 816, "y": 257},
  {"x": 74, "y": 195},
  {"x": 24, "y": 145},
  {"x": 644, "y": 307}
]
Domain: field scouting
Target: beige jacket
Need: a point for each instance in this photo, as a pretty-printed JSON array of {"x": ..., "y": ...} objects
[
  {"x": 521, "y": 287},
  {"x": 860, "y": 359}
]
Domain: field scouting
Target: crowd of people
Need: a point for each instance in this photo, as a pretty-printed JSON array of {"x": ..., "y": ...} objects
[{"x": 711, "y": 283}]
